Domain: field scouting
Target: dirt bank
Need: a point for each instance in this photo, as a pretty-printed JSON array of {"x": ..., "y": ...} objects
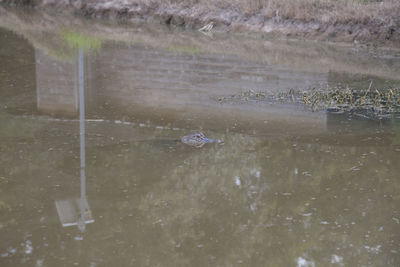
[{"x": 370, "y": 23}]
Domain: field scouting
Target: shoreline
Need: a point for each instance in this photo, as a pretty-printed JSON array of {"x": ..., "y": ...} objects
[{"x": 372, "y": 32}]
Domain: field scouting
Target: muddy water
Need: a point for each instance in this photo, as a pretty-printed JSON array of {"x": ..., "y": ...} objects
[{"x": 114, "y": 186}]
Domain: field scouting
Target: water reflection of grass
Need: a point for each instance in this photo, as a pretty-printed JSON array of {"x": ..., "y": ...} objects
[
  {"x": 43, "y": 32},
  {"x": 76, "y": 39},
  {"x": 189, "y": 49},
  {"x": 396, "y": 130},
  {"x": 63, "y": 45}
]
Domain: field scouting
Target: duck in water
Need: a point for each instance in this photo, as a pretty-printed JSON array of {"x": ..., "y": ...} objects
[{"x": 197, "y": 139}]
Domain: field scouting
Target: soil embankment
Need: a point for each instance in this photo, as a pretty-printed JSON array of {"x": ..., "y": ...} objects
[{"x": 360, "y": 21}]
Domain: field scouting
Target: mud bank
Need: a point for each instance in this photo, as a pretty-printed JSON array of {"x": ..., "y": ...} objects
[{"x": 384, "y": 31}]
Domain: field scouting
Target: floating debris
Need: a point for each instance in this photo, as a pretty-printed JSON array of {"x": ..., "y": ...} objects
[
  {"x": 369, "y": 103},
  {"x": 237, "y": 181}
]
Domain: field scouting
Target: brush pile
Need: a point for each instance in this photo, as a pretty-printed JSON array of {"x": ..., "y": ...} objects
[{"x": 369, "y": 103}]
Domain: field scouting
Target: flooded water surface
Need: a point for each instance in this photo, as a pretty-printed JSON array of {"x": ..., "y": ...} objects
[{"x": 93, "y": 171}]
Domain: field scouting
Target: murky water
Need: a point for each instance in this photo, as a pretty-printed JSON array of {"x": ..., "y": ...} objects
[{"x": 114, "y": 186}]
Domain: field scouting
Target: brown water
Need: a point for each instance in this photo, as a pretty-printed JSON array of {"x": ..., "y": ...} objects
[{"x": 287, "y": 187}]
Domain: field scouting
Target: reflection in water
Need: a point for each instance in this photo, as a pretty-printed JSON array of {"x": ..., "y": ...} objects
[
  {"x": 56, "y": 85},
  {"x": 82, "y": 221},
  {"x": 68, "y": 210},
  {"x": 287, "y": 187}
]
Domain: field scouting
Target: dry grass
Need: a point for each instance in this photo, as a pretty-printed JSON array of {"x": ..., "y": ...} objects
[
  {"x": 324, "y": 11},
  {"x": 327, "y": 11},
  {"x": 368, "y": 103},
  {"x": 360, "y": 21}
]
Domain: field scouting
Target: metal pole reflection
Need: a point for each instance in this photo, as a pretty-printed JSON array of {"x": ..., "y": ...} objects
[
  {"x": 81, "y": 224},
  {"x": 76, "y": 211}
]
